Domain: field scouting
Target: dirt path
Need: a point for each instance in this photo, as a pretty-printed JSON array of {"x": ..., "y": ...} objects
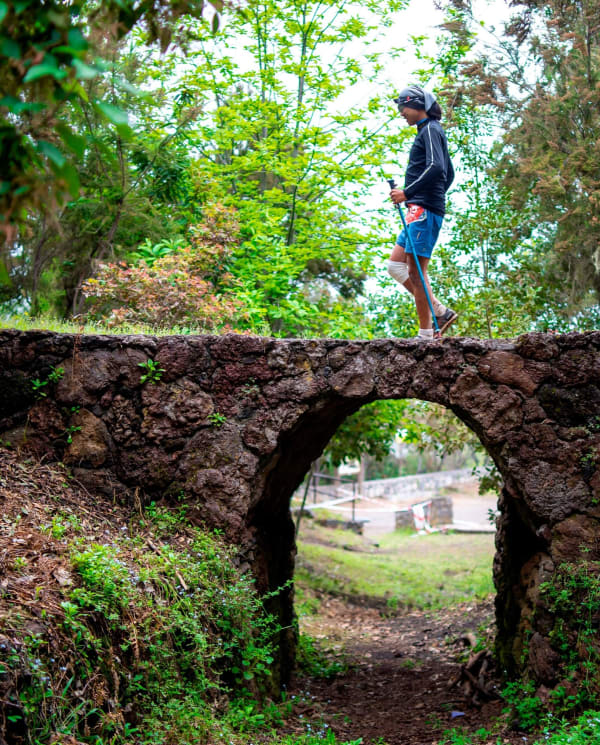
[{"x": 399, "y": 690}]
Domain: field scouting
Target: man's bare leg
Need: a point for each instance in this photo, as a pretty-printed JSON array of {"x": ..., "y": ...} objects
[{"x": 399, "y": 254}]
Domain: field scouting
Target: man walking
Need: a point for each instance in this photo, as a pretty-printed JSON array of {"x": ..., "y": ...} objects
[{"x": 428, "y": 178}]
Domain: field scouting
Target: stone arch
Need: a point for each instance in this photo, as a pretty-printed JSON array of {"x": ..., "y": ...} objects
[{"x": 234, "y": 422}]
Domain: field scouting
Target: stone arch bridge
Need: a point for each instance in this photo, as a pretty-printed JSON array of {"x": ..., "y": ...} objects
[{"x": 234, "y": 422}]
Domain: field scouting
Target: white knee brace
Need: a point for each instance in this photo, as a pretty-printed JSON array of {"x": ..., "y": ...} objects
[{"x": 398, "y": 270}]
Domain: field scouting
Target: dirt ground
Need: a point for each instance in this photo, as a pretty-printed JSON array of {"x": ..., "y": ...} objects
[{"x": 401, "y": 688}]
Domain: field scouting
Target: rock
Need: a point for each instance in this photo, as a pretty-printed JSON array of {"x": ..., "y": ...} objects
[
  {"x": 508, "y": 368},
  {"x": 90, "y": 442}
]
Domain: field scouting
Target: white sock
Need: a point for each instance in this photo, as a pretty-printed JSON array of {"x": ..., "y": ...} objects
[
  {"x": 426, "y": 332},
  {"x": 438, "y": 308}
]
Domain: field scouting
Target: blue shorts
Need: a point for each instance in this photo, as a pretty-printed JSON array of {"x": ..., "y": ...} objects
[{"x": 423, "y": 230}]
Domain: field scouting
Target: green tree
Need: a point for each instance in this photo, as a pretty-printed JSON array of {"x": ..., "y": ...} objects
[
  {"x": 282, "y": 141},
  {"x": 542, "y": 81},
  {"x": 47, "y": 53},
  {"x": 133, "y": 186}
]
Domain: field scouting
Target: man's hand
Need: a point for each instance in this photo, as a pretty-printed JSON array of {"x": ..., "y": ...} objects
[{"x": 397, "y": 196}]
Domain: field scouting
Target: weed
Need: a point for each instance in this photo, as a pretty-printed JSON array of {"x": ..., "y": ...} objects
[
  {"x": 69, "y": 432},
  {"x": 527, "y": 708},
  {"x": 585, "y": 731},
  {"x": 317, "y": 662},
  {"x": 167, "y": 632},
  {"x": 573, "y": 597},
  {"x": 39, "y": 384},
  {"x": 166, "y": 520},
  {"x": 410, "y": 664},
  {"x": 152, "y": 372},
  {"x": 20, "y": 563},
  {"x": 250, "y": 388},
  {"x": 217, "y": 419},
  {"x": 62, "y": 523}
]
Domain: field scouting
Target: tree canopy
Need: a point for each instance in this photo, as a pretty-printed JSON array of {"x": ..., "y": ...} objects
[{"x": 201, "y": 166}]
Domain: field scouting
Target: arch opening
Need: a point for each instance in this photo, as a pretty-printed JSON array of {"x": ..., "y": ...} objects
[{"x": 275, "y": 528}]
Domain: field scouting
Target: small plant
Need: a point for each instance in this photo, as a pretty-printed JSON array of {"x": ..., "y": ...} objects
[
  {"x": 573, "y": 597},
  {"x": 153, "y": 371},
  {"x": 39, "y": 384},
  {"x": 217, "y": 419},
  {"x": 250, "y": 388},
  {"x": 585, "y": 731},
  {"x": 69, "y": 432},
  {"x": 62, "y": 523},
  {"x": 588, "y": 463},
  {"x": 317, "y": 662},
  {"x": 527, "y": 708},
  {"x": 20, "y": 563},
  {"x": 492, "y": 516},
  {"x": 167, "y": 520}
]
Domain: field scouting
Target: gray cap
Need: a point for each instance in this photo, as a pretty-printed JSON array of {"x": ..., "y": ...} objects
[{"x": 415, "y": 98}]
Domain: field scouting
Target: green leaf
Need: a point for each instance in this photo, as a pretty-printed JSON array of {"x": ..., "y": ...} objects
[
  {"x": 73, "y": 141},
  {"x": 10, "y": 48},
  {"x": 83, "y": 71},
  {"x": 20, "y": 5},
  {"x": 40, "y": 71},
  {"x": 3, "y": 11},
  {"x": 5, "y": 279},
  {"x": 73, "y": 86},
  {"x": 51, "y": 152},
  {"x": 77, "y": 40},
  {"x": 15, "y": 106},
  {"x": 112, "y": 113},
  {"x": 126, "y": 86},
  {"x": 70, "y": 175},
  {"x": 4, "y": 187}
]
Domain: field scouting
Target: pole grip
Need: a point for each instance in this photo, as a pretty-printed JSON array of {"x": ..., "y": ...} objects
[{"x": 392, "y": 183}]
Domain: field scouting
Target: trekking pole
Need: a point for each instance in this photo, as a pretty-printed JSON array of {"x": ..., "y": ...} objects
[{"x": 438, "y": 333}]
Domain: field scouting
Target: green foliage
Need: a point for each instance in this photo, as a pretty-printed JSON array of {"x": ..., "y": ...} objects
[
  {"x": 279, "y": 143},
  {"x": 165, "y": 520},
  {"x": 164, "y": 633},
  {"x": 152, "y": 371},
  {"x": 48, "y": 54},
  {"x": 573, "y": 596},
  {"x": 527, "y": 708},
  {"x": 372, "y": 430},
  {"x": 458, "y": 737},
  {"x": 585, "y": 731},
  {"x": 317, "y": 662},
  {"x": 38, "y": 385},
  {"x": 217, "y": 419},
  {"x": 538, "y": 188},
  {"x": 186, "y": 286}
]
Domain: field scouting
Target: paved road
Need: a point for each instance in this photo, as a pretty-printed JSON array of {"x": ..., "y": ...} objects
[{"x": 467, "y": 507}]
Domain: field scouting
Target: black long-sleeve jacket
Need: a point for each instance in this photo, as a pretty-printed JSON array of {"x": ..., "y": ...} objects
[{"x": 430, "y": 172}]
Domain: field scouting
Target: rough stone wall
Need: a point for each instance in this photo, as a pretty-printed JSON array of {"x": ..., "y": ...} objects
[{"x": 235, "y": 421}]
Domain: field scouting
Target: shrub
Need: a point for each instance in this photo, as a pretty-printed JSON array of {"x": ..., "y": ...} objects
[{"x": 185, "y": 286}]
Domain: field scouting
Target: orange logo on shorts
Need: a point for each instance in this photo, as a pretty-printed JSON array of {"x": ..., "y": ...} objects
[{"x": 416, "y": 212}]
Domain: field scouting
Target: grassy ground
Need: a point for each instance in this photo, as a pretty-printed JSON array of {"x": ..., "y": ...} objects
[{"x": 401, "y": 571}]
